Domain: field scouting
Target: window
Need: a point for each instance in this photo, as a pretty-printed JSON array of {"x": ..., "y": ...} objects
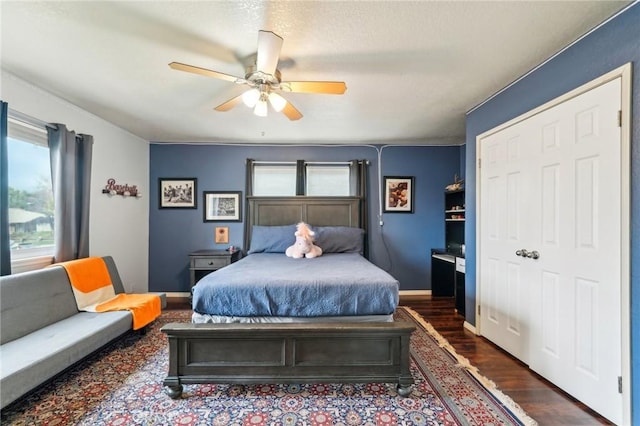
[
  {"x": 327, "y": 179},
  {"x": 31, "y": 213},
  {"x": 271, "y": 179},
  {"x": 301, "y": 178}
]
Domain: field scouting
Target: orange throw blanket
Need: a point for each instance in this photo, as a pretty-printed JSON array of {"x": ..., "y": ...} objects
[
  {"x": 144, "y": 307},
  {"x": 90, "y": 282},
  {"x": 93, "y": 290}
]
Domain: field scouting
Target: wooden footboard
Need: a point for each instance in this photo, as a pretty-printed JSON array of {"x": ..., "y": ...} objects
[{"x": 288, "y": 353}]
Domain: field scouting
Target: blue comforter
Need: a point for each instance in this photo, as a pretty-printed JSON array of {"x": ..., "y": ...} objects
[{"x": 272, "y": 284}]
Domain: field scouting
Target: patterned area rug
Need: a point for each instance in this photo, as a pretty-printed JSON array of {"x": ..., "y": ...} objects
[{"x": 122, "y": 385}]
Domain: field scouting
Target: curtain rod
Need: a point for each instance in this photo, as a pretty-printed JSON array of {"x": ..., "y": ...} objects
[
  {"x": 306, "y": 162},
  {"x": 327, "y": 163},
  {"x": 20, "y": 116}
]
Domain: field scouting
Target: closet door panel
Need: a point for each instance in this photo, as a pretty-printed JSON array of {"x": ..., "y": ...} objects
[{"x": 550, "y": 233}]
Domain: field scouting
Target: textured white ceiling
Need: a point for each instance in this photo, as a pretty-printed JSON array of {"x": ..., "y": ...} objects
[{"x": 412, "y": 68}]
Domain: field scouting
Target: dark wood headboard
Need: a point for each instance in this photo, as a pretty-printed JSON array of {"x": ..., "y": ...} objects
[{"x": 316, "y": 211}]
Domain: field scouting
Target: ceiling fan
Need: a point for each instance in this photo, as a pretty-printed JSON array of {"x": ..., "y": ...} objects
[{"x": 264, "y": 81}]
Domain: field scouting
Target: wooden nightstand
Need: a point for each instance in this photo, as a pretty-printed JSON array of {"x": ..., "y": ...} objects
[{"x": 203, "y": 262}]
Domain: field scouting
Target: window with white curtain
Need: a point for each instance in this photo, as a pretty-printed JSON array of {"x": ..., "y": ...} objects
[{"x": 31, "y": 212}]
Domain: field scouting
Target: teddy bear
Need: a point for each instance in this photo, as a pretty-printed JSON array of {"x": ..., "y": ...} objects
[{"x": 303, "y": 247}]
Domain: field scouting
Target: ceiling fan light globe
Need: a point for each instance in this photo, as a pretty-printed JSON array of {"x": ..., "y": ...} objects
[
  {"x": 261, "y": 109},
  {"x": 250, "y": 97},
  {"x": 277, "y": 102}
]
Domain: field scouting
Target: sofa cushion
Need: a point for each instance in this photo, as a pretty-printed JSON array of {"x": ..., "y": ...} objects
[
  {"x": 32, "y": 300},
  {"x": 31, "y": 360}
]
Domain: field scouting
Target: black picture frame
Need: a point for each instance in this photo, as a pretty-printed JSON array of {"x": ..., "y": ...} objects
[
  {"x": 398, "y": 192},
  {"x": 178, "y": 193},
  {"x": 222, "y": 206}
]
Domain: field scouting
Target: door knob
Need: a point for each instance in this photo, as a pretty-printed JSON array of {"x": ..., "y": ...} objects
[
  {"x": 522, "y": 252},
  {"x": 533, "y": 254}
]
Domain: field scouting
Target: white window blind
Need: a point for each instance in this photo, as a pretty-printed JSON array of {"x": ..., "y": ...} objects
[
  {"x": 274, "y": 179},
  {"x": 327, "y": 180}
]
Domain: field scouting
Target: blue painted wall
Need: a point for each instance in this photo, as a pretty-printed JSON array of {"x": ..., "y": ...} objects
[
  {"x": 401, "y": 246},
  {"x": 610, "y": 47},
  {"x": 404, "y": 242}
]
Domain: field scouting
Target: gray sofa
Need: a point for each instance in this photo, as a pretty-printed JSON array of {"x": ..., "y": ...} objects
[{"x": 42, "y": 333}]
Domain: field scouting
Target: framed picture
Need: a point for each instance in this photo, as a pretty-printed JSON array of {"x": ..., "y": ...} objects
[
  {"x": 177, "y": 193},
  {"x": 222, "y": 206},
  {"x": 222, "y": 235},
  {"x": 398, "y": 194}
]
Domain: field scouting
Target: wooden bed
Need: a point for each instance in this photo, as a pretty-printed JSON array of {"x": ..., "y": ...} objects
[{"x": 293, "y": 352}]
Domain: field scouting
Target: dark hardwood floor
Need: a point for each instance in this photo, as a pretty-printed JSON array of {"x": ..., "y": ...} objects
[{"x": 543, "y": 401}]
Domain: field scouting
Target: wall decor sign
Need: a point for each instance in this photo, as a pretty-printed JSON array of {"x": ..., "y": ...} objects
[
  {"x": 124, "y": 189},
  {"x": 222, "y": 206},
  {"x": 177, "y": 193},
  {"x": 222, "y": 235},
  {"x": 398, "y": 194}
]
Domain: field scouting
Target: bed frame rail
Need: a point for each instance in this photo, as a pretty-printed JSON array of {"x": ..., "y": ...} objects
[{"x": 288, "y": 353}]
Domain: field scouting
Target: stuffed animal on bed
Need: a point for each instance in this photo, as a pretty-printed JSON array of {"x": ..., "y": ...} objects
[{"x": 304, "y": 247}]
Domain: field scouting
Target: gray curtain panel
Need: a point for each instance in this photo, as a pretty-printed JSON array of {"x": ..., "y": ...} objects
[
  {"x": 358, "y": 187},
  {"x": 5, "y": 246},
  {"x": 70, "y": 156}
]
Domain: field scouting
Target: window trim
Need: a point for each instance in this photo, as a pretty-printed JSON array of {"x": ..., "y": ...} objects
[
  {"x": 27, "y": 132},
  {"x": 30, "y": 263}
]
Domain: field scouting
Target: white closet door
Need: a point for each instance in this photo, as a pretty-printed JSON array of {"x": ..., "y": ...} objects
[
  {"x": 576, "y": 330},
  {"x": 551, "y": 185},
  {"x": 505, "y": 222}
]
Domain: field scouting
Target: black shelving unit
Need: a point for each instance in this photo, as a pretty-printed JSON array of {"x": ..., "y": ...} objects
[
  {"x": 448, "y": 265},
  {"x": 454, "y": 218}
]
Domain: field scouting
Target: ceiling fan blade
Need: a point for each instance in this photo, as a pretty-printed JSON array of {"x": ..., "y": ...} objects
[
  {"x": 229, "y": 104},
  {"x": 328, "y": 87},
  {"x": 291, "y": 112},
  {"x": 203, "y": 71},
  {"x": 269, "y": 46}
]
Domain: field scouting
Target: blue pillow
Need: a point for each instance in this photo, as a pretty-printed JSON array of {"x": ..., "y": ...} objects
[
  {"x": 271, "y": 239},
  {"x": 339, "y": 239}
]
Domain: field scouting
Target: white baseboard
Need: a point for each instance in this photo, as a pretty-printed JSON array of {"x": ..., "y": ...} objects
[
  {"x": 178, "y": 294},
  {"x": 415, "y": 292},
  {"x": 470, "y": 327}
]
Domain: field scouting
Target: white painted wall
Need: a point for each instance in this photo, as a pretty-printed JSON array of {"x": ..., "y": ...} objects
[{"x": 119, "y": 225}]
